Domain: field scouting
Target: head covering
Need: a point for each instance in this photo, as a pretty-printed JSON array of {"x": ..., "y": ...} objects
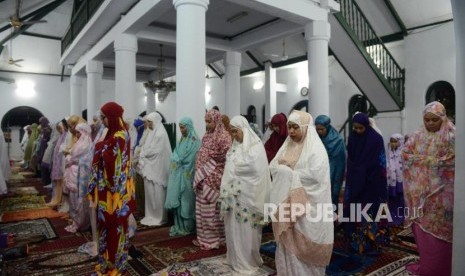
[
  {"x": 362, "y": 145},
  {"x": 280, "y": 120},
  {"x": 44, "y": 121},
  {"x": 294, "y": 149},
  {"x": 187, "y": 122},
  {"x": 332, "y": 140},
  {"x": 155, "y": 118},
  {"x": 250, "y": 138},
  {"x": 219, "y": 131},
  {"x": 114, "y": 114},
  {"x": 276, "y": 139}
]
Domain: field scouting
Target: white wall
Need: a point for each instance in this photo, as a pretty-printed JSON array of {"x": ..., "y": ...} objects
[
  {"x": 217, "y": 93},
  {"x": 52, "y": 95},
  {"x": 429, "y": 57}
]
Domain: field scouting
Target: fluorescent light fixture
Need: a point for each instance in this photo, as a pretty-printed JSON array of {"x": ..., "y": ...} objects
[{"x": 25, "y": 89}]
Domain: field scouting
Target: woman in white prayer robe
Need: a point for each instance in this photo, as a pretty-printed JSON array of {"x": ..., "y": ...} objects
[
  {"x": 154, "y": 161},
  {"x": 300, "y": 172},
  {"x": 244, "y": 190}
]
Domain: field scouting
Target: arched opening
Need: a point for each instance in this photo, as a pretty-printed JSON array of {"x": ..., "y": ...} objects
[
  {"x": 302, "y": 105},
  {"x": 443, "y": 92},
  {"x": 20, "y": 116}
]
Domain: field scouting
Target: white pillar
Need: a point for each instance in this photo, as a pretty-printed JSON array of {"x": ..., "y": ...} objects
[
  {"x": 232, "y": 63},
  {"x": 94, "y": 70},
  {"x": 151, "y": 105},
  {"x": 125, "y": 74},
  {"x": 458, "y": 253},
  {"x": 75, "y": 97},
  {"x": 190, "y": 57},
  {"x": 270, "y": 91},
  {"x": 317, "y": 34}
]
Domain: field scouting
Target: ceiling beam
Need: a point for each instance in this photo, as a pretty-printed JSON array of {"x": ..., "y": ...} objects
[
  {"x": 300, "y": 12},
  {"x": 275, "y": 31},
  {"x": 167, "y": 36},
  {"x": 255, "y": 60},
  {"x": 41, "y": 13},
  {"x": 23, "y": 18},
  {"x": 42, "y": 36},
  {"x": 215, "y": 71},
  {"x": 396, "y": 16},
  {"x": 139, "y": 15}
]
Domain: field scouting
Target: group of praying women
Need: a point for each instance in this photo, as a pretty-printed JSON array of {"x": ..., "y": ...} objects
[{"x": 219, "y": 186}]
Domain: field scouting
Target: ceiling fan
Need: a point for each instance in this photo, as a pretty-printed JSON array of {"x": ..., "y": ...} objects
[
  {"x": 15, "y": 20},
  {"x": 8, "y": 55},
  {"x": 283, "y": 57}
]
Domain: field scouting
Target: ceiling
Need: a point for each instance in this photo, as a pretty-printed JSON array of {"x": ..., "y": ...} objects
[{"x": 225, "y": 21}]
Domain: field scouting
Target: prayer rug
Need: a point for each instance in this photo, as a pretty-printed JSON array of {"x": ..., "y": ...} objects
[
  {"x": 28, "y": 190},
  {"x": 58, "y": 244},
  {"x": 345, "y": 264},
  {"x": 396, "y": 268},
  {"x": 63, "y": 262},
  {"x": 30, "y": 214},
  {"x": 210, "y": 267},
  {"x": 178, "y": 250},
  {"x": 67, "y": 262},
  {"x": 22, "y": 203},
  {"x": 26, "y": 228},
  {"x": 407, "y": 235},
  {"x": 351, "y": 263},
  {"x": 27, "y": 174}
]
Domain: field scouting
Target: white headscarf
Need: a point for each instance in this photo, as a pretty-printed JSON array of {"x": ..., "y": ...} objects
[
  {"x": 246, "y": 179},
  {"x": 155, "y": 154}
]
